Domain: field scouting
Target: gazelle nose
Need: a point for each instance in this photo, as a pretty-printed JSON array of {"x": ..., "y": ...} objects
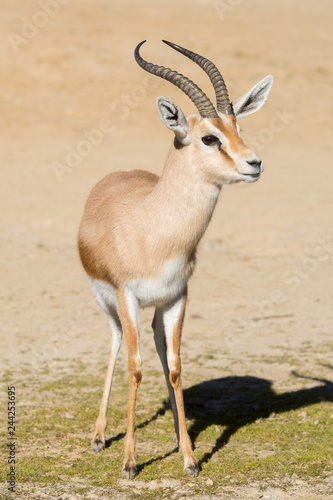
[{"x": 254, "y": 163}]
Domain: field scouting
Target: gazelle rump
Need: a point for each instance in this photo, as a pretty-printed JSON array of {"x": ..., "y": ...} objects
[{"x": 139, "y": 233}]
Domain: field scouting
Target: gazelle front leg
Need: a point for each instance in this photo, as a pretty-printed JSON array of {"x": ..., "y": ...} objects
[
  {"x": 160, "y": 343},
  {"x": 129, "y": 313},
  {"x": 173, "y": 317},
  {"x": 98, "y": 441}
]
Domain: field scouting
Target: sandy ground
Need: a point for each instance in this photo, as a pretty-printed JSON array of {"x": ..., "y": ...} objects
[{"x": 262, "y": 292}]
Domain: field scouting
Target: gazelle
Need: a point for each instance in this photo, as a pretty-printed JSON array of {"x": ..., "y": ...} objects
[{"x": 139, "y": 233}]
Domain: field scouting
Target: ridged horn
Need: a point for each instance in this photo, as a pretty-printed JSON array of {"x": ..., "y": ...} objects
[
  {"x": 223, "y": 103},
  {"x": 197, "y": 96}
]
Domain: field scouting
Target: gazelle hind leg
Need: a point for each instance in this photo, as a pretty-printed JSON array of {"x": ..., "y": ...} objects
[
  {"x": 173, "y": 317},
  {"x": 105, "y": 295},
  {"x": 129, "y": 314},
  {"x": 160, "y": 343},
  {"x": 98, "y": 441}
]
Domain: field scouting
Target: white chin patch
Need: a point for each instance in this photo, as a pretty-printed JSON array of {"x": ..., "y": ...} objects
[{"x": 250, "y": 178}]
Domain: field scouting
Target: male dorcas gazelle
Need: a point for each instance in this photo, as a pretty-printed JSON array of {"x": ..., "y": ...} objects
[{"x": 139, "y": 233}]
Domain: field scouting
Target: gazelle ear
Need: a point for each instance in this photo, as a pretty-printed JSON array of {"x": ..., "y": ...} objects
[
  {"x": 253, "y": 99},
  {"x": 173, "y": 117}
]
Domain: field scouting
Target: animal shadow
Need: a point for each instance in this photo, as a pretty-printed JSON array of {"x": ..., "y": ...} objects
[{"x": 234, "y": 402}]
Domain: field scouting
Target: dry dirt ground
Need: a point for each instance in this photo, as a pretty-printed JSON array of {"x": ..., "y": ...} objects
[{"x": 262, "y": 293}]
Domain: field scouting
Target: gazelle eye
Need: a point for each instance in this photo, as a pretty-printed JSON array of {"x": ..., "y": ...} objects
[{"x": 208, "y": 140}]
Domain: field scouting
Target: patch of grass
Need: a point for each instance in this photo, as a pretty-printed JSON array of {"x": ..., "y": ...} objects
[{"x": 241, "y": 428}]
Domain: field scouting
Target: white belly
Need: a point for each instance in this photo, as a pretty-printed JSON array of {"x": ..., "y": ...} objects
[
  {"x": 148, "y": 292},
  {"x": 162, "y": 290}
]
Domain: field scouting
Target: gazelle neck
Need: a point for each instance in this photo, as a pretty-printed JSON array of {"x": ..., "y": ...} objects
[{"x": 187, "y": 197}]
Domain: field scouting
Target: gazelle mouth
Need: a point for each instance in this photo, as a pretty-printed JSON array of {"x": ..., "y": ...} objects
[{"x": 253, "y": 175}]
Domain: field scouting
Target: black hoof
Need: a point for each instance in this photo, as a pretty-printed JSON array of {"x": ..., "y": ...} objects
[
  {"x": 192, "y": 470},
  {"x": 97, "y": 445},
  {"x": 129, "y": 471}
]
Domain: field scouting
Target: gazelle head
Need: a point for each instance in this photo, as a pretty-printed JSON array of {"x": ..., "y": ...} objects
[{"x": 211, "y": 137}]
